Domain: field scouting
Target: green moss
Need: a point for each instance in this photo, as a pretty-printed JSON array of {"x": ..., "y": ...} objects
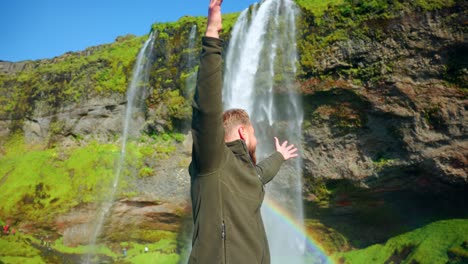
[
  {"x": 53, "y": 178},
  {"x": 229, "y": 20},
  {"x": 337, "y": 35},
  {"x": 329, "y": 239},
  {"x": 323, "y": 23},
  {"x": 383, "y": 162},
  {"x": 162, "y": 251},
  {"x": 178, "y": 137},
  {"x": 165, "y": 238},
  {"x": 318, "y": 7},
  {"x": 17, "y": 246},
  {"x": 155, "y": 258},
  {"x": 22, "y": 260},
  {"x": 163, "y": 144},
  {"x": 318, "y": 188},
  {"x": 146, "y": 172},
  {"x": 58, "y": 179},
  {"x": 459, "y": 254},
  {"x": 82, "y": 250},
  {"x": 171, "y": 106},
  {"x": 147, "y": 150},
  {"x": 177, "y": 105},
  {"x": 430, "y": 242},
  {"x": 432, "y": 117},
  {"x": 429, "y": 5}
]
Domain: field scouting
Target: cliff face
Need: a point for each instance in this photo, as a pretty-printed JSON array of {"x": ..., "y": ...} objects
[
  {"x": 71, "y": 96},
  {"x": 394, "y": 97},
  {"x": 385, "y": 111}
]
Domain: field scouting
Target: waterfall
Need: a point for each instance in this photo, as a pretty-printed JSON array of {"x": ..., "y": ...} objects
[
  {"x": 191, "y": 80},
  {"x": 190, "y": 83},
  {"x": 259, "y": 77},
  {"x": 132, "y": 119},
  {"x": 191, "y": 47}
]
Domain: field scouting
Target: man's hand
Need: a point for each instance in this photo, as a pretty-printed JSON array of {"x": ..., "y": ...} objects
[
  {"x": 285, "y": 150},
  {"x": 214, "y": 19}
]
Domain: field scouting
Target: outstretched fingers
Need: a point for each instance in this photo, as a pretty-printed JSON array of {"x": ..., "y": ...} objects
[
  {"x": 293, "y": 153},
  {"x": 285, "y": 150}
]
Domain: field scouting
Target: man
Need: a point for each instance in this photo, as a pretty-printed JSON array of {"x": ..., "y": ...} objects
[{"x": 227, "y": 185}]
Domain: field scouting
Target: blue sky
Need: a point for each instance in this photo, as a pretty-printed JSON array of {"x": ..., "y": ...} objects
[{"x": 36, "y": 29}]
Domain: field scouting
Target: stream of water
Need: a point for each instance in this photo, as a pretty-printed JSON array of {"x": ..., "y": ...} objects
[
  {"x": 135, "y": 98},
  {"x": 190, "y": 82},
  {"x": 191, "y": 46}
]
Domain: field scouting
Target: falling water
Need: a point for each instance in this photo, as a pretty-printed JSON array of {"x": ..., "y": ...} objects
[
  {"x": 191, "y": 47},
  {"x": 259, "y": 77},
  {"x": 190, "y": 83},
  {"x": 135, "y": 96},
  {"x": 192, "y": 78}
]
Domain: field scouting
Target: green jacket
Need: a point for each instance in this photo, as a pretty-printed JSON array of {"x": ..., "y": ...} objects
[{"x": 227, "y": 189}]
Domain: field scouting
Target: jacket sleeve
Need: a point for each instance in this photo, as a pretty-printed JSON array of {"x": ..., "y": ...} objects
[
  {"x": 207, "y": 121},
  {"x": 269, "y": 167}
]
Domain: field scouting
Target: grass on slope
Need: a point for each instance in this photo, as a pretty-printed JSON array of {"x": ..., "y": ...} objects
[
  {"x": 37, "y": 183},
  {"x": 318, "y": 7},
  {"x": 20, "y": 249},
  {"x": 162, "y": 252},
  {"x": 439, "y": 242},
  {"x": 36, "y": 180},
  {"x": 16, "y": 249}
]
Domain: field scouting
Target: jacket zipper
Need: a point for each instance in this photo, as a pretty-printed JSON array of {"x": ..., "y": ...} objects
[
  {"x": 223, "y": 237},
  {"x": 223, "y": 231}
]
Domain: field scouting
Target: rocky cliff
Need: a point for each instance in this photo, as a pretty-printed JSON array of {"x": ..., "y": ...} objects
[
  {"x": 392, "y": 97},
  {"x": 385, "y": 130}
]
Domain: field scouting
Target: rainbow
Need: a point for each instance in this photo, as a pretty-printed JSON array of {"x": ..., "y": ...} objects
[{"x": 312, "y": 245}]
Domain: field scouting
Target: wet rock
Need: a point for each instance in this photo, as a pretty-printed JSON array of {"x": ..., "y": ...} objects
[{"x": 126, "y": 217}]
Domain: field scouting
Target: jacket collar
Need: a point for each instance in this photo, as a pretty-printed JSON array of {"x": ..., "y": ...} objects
[{"x": 238, "y": 147}]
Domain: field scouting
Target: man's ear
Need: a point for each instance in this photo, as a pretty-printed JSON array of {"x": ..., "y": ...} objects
[{"x": 242, "y": 133}]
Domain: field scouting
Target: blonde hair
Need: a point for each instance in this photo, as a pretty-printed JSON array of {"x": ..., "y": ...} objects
[{"x": 234, "y": 117}]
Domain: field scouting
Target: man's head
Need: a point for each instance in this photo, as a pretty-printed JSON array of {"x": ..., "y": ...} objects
[{"x": 237, "y": 125}]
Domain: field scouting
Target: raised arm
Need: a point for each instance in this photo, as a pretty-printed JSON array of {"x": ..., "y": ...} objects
[{"x": 207, "y": 121}]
